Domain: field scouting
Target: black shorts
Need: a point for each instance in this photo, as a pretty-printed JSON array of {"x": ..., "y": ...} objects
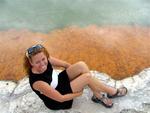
[{"x": 64, "y": 88}]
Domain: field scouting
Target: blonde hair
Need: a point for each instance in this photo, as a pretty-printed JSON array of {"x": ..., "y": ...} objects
[{"x": 27, "y": 64}]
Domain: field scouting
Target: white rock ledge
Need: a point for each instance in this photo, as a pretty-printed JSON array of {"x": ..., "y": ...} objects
[{"x": 19, "y": 98}]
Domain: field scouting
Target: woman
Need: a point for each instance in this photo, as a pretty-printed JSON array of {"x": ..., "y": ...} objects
[{"x": 58, "y": 92}]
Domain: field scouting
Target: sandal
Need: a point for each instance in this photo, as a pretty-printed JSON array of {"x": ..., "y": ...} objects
[
  {"x": 120, "y": 92},
  {"x": 102, "y": 101}
]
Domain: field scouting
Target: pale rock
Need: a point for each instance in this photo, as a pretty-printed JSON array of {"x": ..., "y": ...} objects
[{"x": 19, "y": 98}]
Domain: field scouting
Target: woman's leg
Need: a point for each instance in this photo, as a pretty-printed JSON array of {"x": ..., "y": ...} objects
[
  {"x": 95, "y": 85},
  {"x": 79, "y": 69},
  {"x": 76, "y": 70},
  {"x": 80, "y": 82}
]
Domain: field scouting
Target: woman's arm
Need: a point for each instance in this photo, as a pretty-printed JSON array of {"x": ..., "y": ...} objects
[
  {"x": 50, "y": 92},
  {"x": 59, "y": 63}
]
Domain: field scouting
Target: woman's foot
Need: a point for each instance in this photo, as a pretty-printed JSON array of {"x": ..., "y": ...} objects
[
  {"x": 119, "y": 93},
  {"x": 103, "y": 100}
]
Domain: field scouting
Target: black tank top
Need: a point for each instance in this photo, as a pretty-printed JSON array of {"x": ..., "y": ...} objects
[
  {"x": 46, "y": 76},
  {"x": 63, "y": 87}
]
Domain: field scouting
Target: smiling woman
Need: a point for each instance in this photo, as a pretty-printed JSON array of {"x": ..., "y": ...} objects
[{"x": 58, "y": 92}]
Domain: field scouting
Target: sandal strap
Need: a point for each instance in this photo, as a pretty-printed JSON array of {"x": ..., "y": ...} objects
[
  {"x": 118, "y": 93},
  {"x": 102, "y": 101}
]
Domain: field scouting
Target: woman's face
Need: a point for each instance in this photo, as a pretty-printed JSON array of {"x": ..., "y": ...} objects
[{"x": 39, "y": 62}]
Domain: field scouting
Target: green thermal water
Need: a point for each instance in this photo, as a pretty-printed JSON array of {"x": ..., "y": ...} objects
[{"x": 46, "y": 15}]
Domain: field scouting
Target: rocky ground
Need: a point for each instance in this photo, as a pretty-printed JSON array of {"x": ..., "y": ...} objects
[{"x": 19, "y": 98}]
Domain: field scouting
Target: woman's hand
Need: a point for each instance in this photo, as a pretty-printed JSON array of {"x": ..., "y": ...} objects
[
  {"x": 78, "y": 93},
  {"x": 70, "y": 96}
]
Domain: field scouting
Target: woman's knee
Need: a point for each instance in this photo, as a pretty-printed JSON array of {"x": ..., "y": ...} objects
[
  {"x": 83, "y": 66},
  {"x": 81, "y": 63},
  {"x": 78, "y": 69}
]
